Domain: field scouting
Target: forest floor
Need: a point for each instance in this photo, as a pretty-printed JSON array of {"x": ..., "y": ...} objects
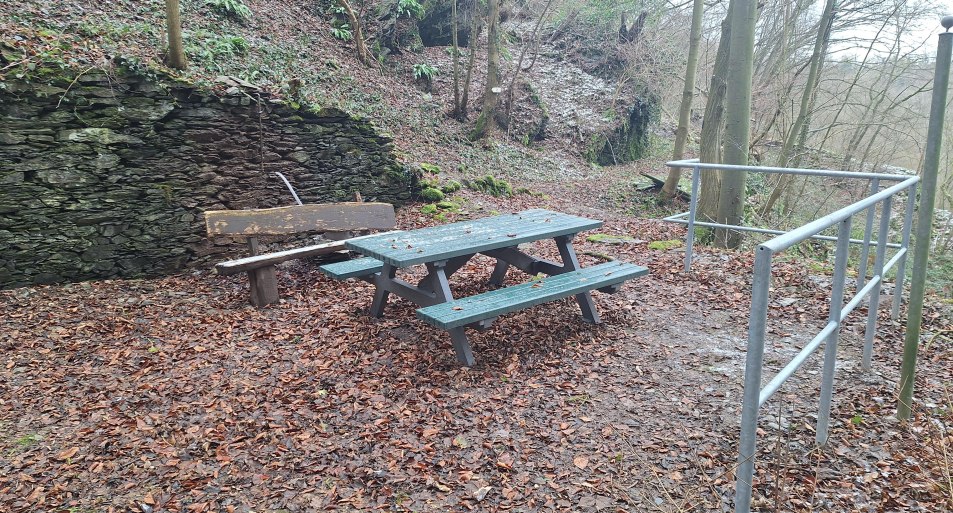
[{"x": 174, "y": 394}]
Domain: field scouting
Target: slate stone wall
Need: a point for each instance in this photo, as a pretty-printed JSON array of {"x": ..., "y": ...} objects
[{"x": 108, "y": 176}]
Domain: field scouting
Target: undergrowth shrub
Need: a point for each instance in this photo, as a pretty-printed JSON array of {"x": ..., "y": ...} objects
[{"x": 230, "y": 8}]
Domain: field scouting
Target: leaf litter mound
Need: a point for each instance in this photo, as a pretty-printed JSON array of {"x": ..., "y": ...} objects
[{"x": 174, "y": 395}]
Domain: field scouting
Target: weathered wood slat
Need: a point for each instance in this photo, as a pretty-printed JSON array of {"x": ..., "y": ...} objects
[
  {"x": 348, "y": 216},
  {"x": 352, "y": 268},
  {"x": 254, "y": 262},
  {"x": 448, "y": 241},
  {"x": 464, "y": 311}
]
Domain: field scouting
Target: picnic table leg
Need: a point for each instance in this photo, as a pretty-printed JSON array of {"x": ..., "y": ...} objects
[
  {"x": 380, "y": 294},
  {"x": 571, "y": 263},
  {"x": 441, "y": 287},
  {"x": 499, "y": 273}
]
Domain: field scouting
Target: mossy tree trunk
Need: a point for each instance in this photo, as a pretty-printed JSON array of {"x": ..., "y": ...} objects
[
  {"x": 176, "y": 57},
  {"x": 474, "y": 35},
  {"x": 491, "y": 93},
  {"x": 731, "y": 200},
  {"x": 713, "y": 125}
]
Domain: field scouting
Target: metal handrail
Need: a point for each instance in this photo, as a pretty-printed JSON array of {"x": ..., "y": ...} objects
[{"x": 754, "y": 394}]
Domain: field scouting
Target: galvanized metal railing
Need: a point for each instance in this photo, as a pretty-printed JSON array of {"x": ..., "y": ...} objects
[{"x": 754, "y": 394}]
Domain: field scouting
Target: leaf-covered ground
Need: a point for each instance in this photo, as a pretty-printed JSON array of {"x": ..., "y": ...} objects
[{"x": 174, "y": 395}]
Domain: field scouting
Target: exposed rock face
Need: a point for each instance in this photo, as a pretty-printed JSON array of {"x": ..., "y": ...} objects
[
  {"x": 629, "y": 140},
  {"x": 109, "y": 176}
]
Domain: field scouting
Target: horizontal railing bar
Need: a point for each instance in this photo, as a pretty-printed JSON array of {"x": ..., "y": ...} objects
[
  {"x": 775, "y": 384},
  {"x": 691, "y": 163},
  {"x": 771, "y": 232},
  {"x": 782, "y": 242},
  {"x": 893, "y": 261},
  {"x": 858, "y": 297}
]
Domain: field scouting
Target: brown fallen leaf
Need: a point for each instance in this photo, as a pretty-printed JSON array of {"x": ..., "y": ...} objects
[
  {"x": 68, "y": 453},
  {"x": 581, "y": 462}
]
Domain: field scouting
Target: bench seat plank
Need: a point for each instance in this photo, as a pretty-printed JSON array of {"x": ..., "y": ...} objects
[
  {"x": 464, "y": 311},
  {"x": 352, "y": 268},
  {"x": 254, "y": 262}
]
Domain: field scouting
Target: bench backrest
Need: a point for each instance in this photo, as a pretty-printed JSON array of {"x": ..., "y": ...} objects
[{"x": 322, "y": 217}]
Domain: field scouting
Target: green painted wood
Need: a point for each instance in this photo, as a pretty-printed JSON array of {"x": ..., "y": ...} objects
[
  {"x": 469, "y": 237},
  {"x": 466, "y": 310},
  {"x": 352, "y": 268}
]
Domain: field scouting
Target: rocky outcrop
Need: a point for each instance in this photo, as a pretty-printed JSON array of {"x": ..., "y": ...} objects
[
  {"x": 629, "y": 140},
  {"x": 108, "y": 176}
]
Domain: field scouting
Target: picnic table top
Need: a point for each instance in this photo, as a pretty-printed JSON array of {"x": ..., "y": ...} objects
[{"x": 403, "y": 249}]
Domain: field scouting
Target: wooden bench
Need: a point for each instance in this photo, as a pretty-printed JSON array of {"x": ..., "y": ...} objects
[
  {"x": 335, "y": 219},
  {"x": 474, "y": 310}
]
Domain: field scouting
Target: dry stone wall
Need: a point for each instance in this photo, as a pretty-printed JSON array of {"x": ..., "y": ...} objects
[{"x": 108, "y": 176}]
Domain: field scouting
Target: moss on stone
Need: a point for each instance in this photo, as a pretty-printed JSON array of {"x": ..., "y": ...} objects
[
  {"x": 431, "y": 194},
  {"x": 665, "y": 245}
]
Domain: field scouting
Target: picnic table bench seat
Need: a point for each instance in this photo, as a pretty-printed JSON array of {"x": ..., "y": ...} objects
[
  {"x": 354, "y": 268},
  {"x": 469, "y": 310}
]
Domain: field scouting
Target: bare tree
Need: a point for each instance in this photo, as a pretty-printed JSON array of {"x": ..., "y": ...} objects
[
  {"x": 744, "y": 15},
  {"x": 798, "y": 130},
  {"x": 713, "y": 124},
  {"x": 685, "y": 108},
  {"x": 359, "y": 45}
]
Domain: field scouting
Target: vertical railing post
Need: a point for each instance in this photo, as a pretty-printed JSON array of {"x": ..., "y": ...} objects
[
  {"x": 692, "y": 212},
  {"x": 905, "y": 247},
  {"x": 830, "y": 347},
  {"x": 868, "y": 229},
  {"x": 874, "y": 302},
  {"x": 755, "y": 358}
]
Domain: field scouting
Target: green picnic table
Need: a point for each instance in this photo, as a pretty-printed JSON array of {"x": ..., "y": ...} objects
[{"x": 446, "y": 248}]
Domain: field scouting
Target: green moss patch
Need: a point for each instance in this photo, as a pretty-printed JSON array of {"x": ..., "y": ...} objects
[{"x": 664, "y": 245}]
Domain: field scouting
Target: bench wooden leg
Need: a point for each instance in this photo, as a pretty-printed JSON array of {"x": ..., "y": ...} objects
[{"x": 264, "y": 286}]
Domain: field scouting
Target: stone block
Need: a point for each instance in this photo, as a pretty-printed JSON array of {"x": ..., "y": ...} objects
[{"x": 102, "y": 136}]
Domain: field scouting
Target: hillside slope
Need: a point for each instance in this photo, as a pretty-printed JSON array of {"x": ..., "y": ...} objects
[{"x": 286, "y": 47}]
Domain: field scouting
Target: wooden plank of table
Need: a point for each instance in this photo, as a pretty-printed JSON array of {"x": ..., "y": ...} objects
[
  {"x": 470, "y": 237},
  {"x": 320, "y": 217},
  {"x": 467, "y": 310}
]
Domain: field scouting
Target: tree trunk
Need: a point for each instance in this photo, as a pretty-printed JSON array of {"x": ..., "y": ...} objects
[
  {"x": 685, "y": 109},
  {"x": 176, "y": 57},
  {"x": 519, "y": 62},
  {"x": 491, "y": 92},
  {"x": 709, "y": 149},
  {"x": 798, "y": 132},
  {"x": 731, "y": 200},
  {"x": 456, "y": 61},
  {"x": 474, "y": 35},
  {"x": 362, "y": 53}
]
